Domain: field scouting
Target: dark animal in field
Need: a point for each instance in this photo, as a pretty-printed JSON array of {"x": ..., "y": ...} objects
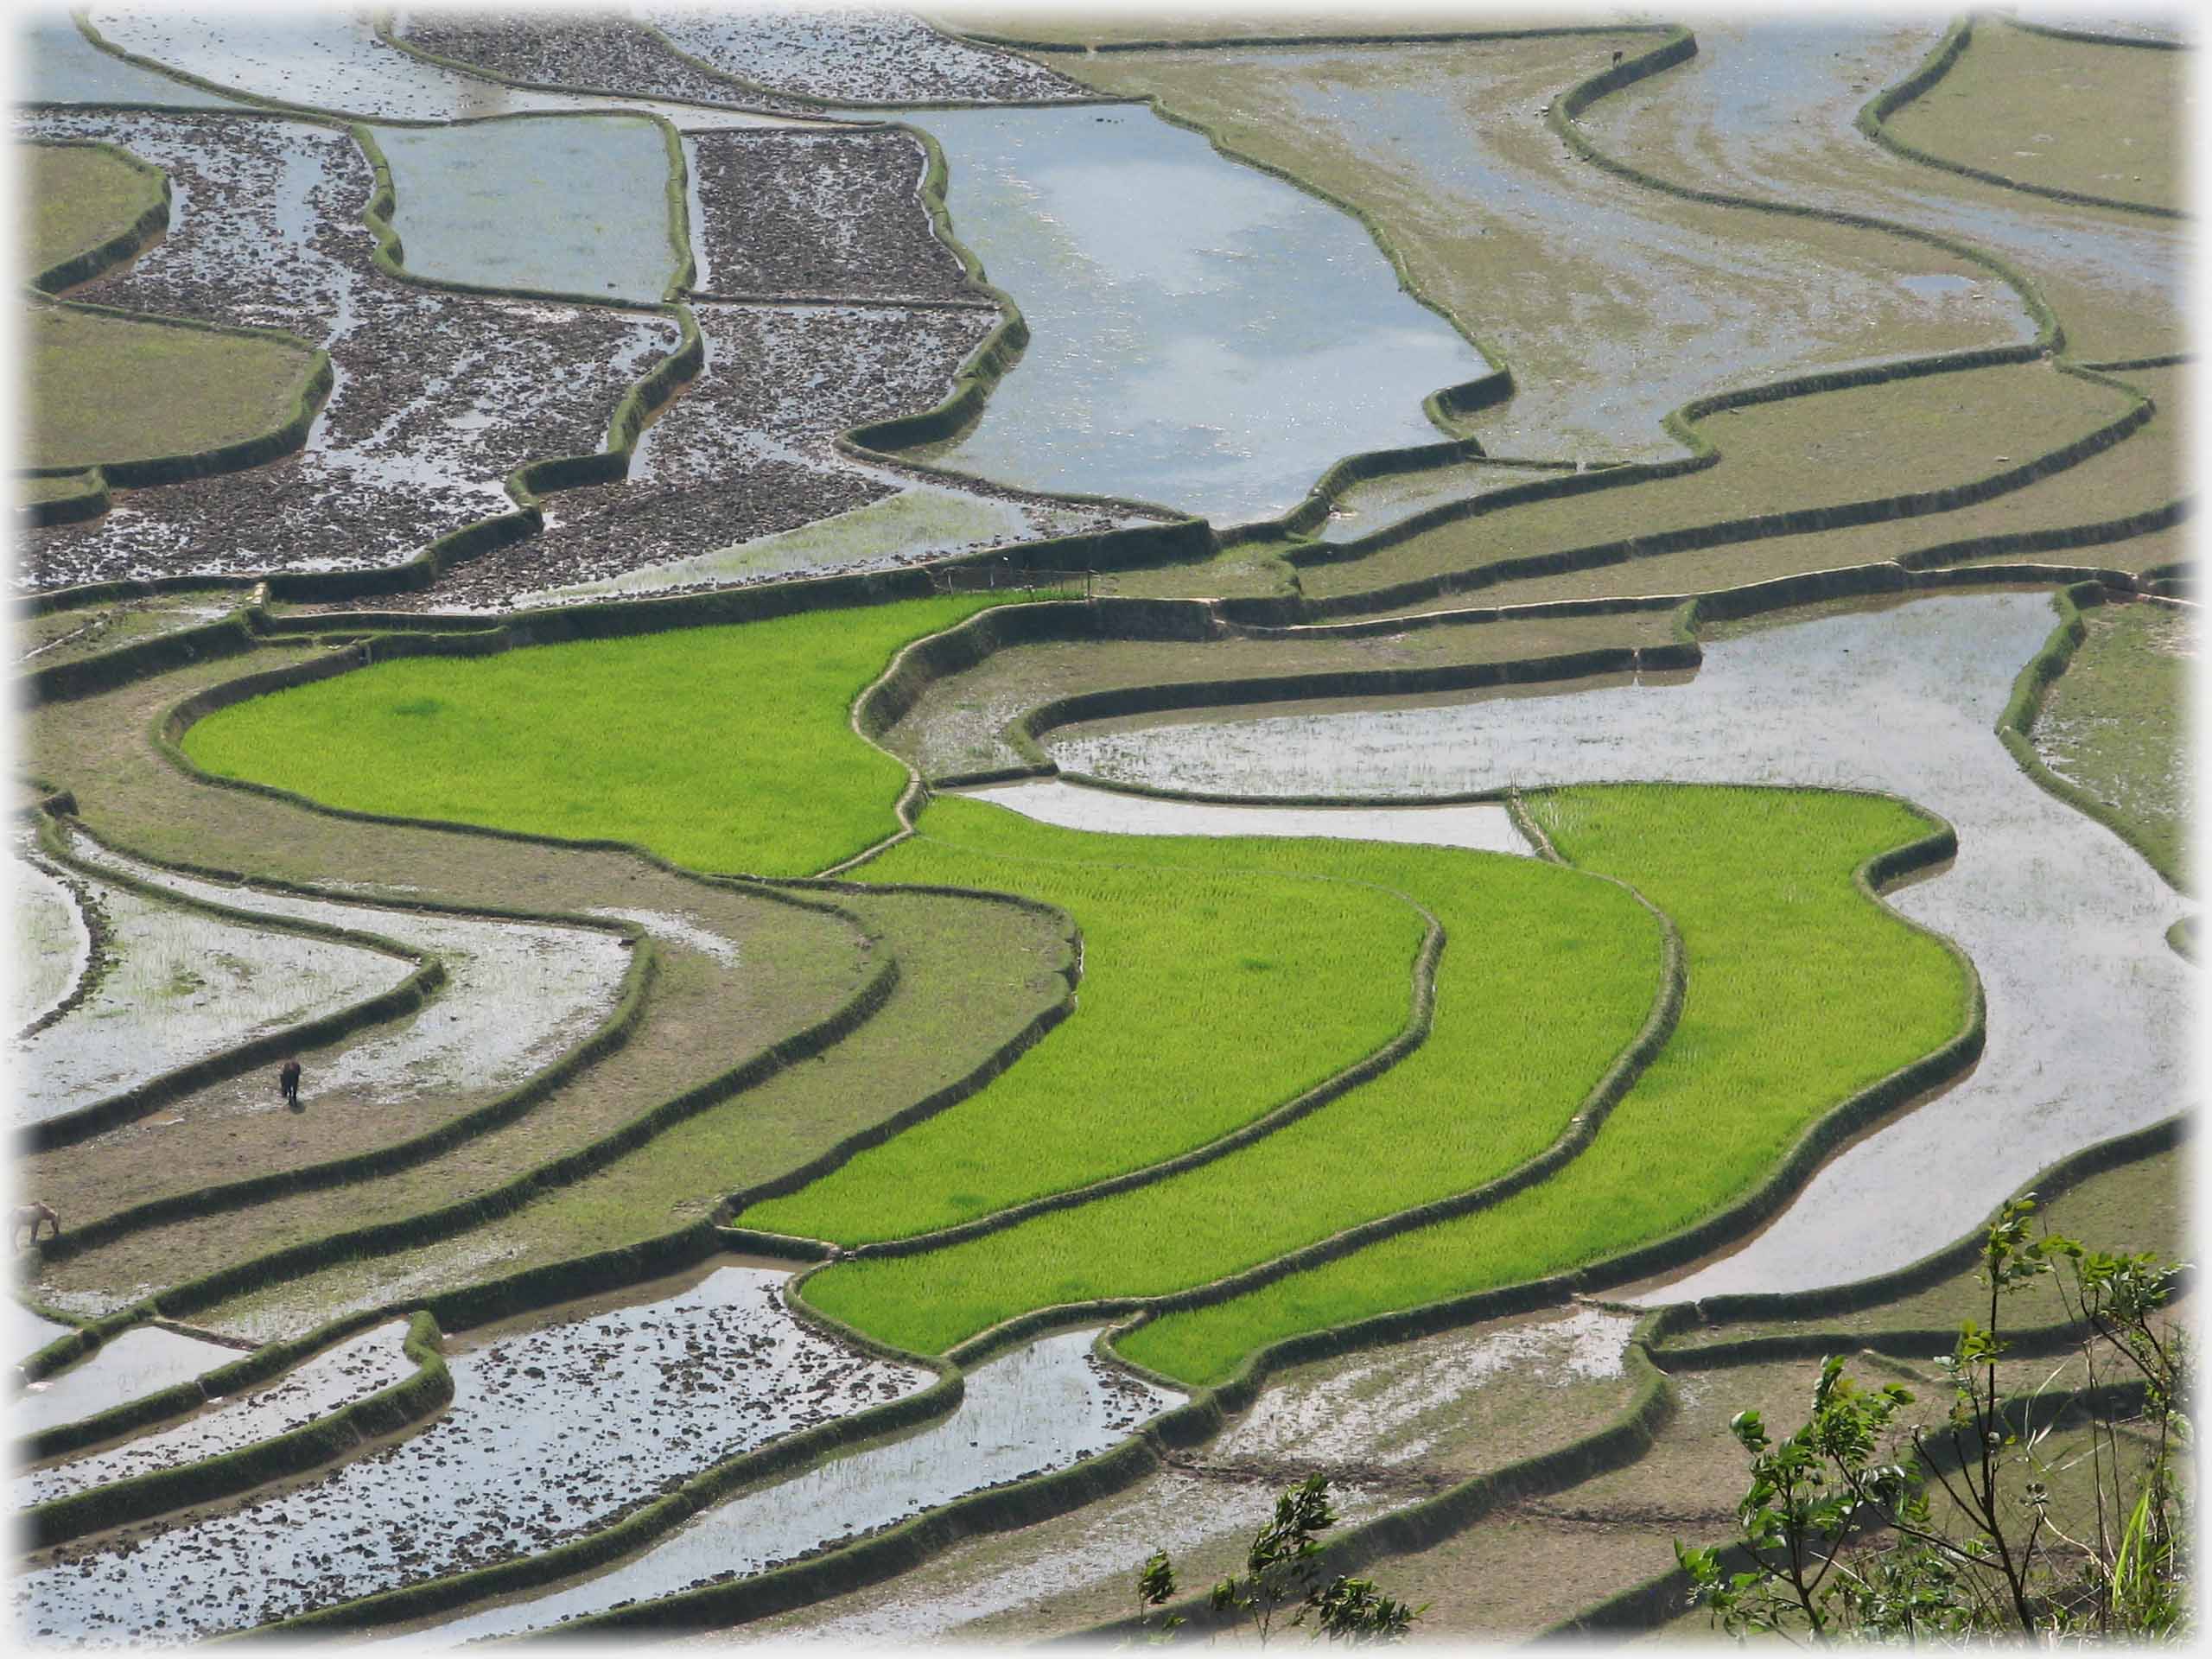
[
  {"x": 288, "y": 1080},
  {"x": 34, "y": 1216},
  {"x": 1616, "y": 57}
]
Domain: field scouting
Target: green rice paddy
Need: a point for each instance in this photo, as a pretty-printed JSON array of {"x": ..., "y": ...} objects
[
  {"x": 1189, "y": 951},
  {"x": 1802, "y": 990},
  {"x": 719, "y": 748},
  {"x": 1546, "y": 976}
]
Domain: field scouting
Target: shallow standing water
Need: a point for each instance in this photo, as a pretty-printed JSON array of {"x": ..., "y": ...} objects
[
  {"x": 142, "y": 1360},
  {"x": 552, "y": 1433},
  {"x": 1040, "y": 1407},
  {"x": 353, "y": 1370},
  {"x": 559, "y": 205},
  {"x": 55, "y": 64},
  {"x": 1485, "y": 826},
  {"x": 181, "y": 986},
  {"x": 516, "y": 995},
  {"x": 332, "y": 59},
  {"x": 1204, "y": 336},
  {"x": 2088, "y": 1010}
]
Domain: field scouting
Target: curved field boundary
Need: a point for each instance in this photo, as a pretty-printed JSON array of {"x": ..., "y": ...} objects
[
  {"x": 389, "y": 254},
  {"x": 1935, "y": 1070},
  {"x": 382, "y": 27},
  {"x": 1657, "y": 1599},
  {"x": 126, "y": 244},
  {"x": 822, "y": 112},
  {"x": 1582, "y": 1127},
  {"x": 1409, "y": 1037},
  {"x": 325, "y": 1439},
  {"x": 2016, "y": 726},
  {"x": 236, "y": 455},
  {"x": 103, "y": 671},
  {"x": 610, "y": 1034},
  {"x": 1873, "y": 121},
  {"x": 89, "y": 499},
  {"x": 2090, "y": 37},
  {"x": 1717, "y": 533},
  {"x": 67, "y": 1128}
]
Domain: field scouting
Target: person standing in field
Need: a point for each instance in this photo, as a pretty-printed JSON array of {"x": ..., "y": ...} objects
[{"x": 288, "y": 1081}]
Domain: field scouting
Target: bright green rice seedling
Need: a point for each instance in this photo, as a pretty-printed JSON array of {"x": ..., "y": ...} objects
[
  {"x": 1212, "y": 993},
  {"x": 1547, "y": 975},
  {"x": 724, "y": 748},
  {"x": 1800, "y": 991}
]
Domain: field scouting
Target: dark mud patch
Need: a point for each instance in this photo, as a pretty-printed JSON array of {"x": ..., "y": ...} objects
[
  {"x": 608, "y": 55},
  {"x": 819, "y": 213}
]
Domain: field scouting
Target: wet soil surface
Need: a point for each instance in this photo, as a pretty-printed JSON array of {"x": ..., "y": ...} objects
[
  {"x": 140, "y": 1361},
  {"x": 613, "y": 54},
  {"x": 1041, "y": 1408},
  {"x": 437, "y": 395},
  {"x": 552, "y": 1433},
  {"x": 868, "y": 57},
  {"x": 745, "y": 451},
  {"x": 820, "y": 213},
  {"x": 177, "y": 985},
  {"x": 353, "y": 1369}
]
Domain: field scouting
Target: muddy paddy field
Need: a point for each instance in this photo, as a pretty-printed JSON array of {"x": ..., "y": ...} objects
[{"x": 1008, "y": 778}]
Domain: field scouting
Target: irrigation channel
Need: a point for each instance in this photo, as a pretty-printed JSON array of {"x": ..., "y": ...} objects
[{"x": 2087, "y": 1006}]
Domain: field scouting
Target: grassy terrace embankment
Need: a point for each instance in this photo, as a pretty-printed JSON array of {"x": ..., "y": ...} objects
[
  {"x": 1185, "y": 957},
  {"x": 1823, "y": 451},
  {"x": 2117, "y": 723},
  {"x": 1802, "y": 990},
  {"x": 2064, "y": 115},
  {"x": 1545, "y": 977},
  {"x": 78, "y": 197},
  {"x": 104, "y": 387},
  {"x": 717, "y": 748}
]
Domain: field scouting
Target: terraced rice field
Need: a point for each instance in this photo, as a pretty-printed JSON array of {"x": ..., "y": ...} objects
[{"x": 999, "y": 792}]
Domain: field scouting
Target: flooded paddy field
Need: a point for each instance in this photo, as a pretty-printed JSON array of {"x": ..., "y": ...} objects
[
  {"x": 2063, "y": 921},
  {"x": 1391, "y": 1426},
  {"x": 1485, "y": 826},
  {"x": 574, "y": 204},
  {"x": 1768, "y": 107},
  {"x": 437, "y": 397},
  {"x": 554, "y": 1429},
  {"x": 349, "y": 1371},
  {"x": 746, "y": 456},
  {"x": 26, "y": 1331},
  {"x": 965, "y": 724},
  {"x": 56, "y": 64},
  {"x": 1173, "y": 357},
  {"x": 178, "y": 985},
  {"x": 1041, "y": 1408},
  {"x": 1611, "y": 303},
  {"x": 516, "y": 997},
  {"x": 53, "y": 939},
  {"x": 831, "y": 213},
  {"x": 335, "y": 62},
  {"x": 857, "y": 56},
  {"x": 142, "y": 1360},
  {"x": 610, "y": 54}
]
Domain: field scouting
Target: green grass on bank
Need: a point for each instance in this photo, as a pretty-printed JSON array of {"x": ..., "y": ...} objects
[
  {"x": 2117, "y": 722},
  {"x": 1800, "y": 991},
  {"x": 76, "y": 198},
  {"x": 110, "y": 388},
  {"x": 2105, "y": 121},
  {"x": 1546, "y": 976},
  {"x": 1212, "y": 993},
  {"x": 721, "y": 749}
]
